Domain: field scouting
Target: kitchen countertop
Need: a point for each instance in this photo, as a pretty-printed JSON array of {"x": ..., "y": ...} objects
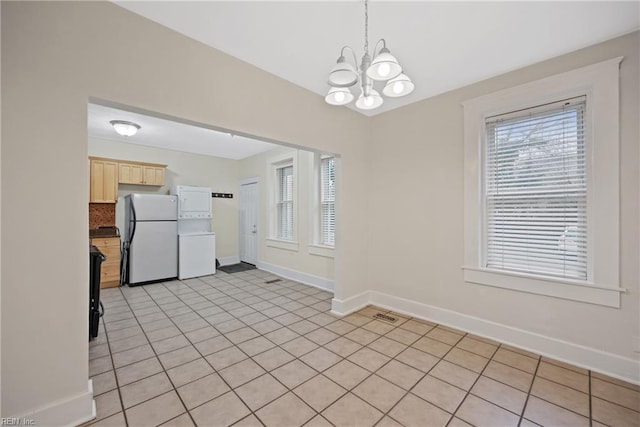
[{"x": 104, "y": 232}]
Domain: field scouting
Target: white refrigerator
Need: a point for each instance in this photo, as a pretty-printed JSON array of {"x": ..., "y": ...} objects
[{"x": 150, "y": 238}]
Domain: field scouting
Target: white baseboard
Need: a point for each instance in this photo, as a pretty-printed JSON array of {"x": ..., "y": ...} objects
[
  {"x": 299, "y": 276},
  {"x": 351, "y": 304},
  {"x": 71, "y": 412},
  {"x": 229, "y": 260},
  {"x": 616, "y": 366}
]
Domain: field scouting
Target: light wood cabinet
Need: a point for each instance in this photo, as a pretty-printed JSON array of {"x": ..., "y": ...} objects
[
  {"x": 129, "y": 174},
  {"x": 154, "y": 175},
  {"x": 110, "y": 270},
  {"x": 141, "y": 173},
  {"x": 104, "y": 181}
]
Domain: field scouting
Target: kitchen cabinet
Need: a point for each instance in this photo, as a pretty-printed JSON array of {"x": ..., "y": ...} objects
[
  {"x": 104, "y": 181},
  {"x": 110, "y": 271},
  {"x": 141, "y": 173}
]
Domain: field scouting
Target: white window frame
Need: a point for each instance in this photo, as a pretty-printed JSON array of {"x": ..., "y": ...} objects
[
  {"x": 600, "y": 84},
  {"x": 316, "y": 247},
  {"x": 274, "y": 164}
]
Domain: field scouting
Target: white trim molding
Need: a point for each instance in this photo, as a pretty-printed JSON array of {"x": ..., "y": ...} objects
[
  {"x": 298, "y": 276},
  {"x": 351, "y": 304},
  {"x": 600, "y": 84},
  {"x": 565, "y": 289},
  {"x": 72, "y": 411},
  {"x": 229, "y": 260},
  {"x": 252, "y": 180},
  {"x": 321, "y": 250},
  {"x": 614, "y": 365},
  {"x": 282, "y": 244}
]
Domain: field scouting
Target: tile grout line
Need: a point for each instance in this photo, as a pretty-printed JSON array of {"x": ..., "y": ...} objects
[
  {"x": 124, "y": 414},
  {"x": 590, "y": 402},
  {"x": 468, "y": 392},
  {"x": 163, "y": 369},
  {"x": 526, "y": 401},
  {"x": 231, "y": 389},
  {"x": 245, "y": 287},
  {"x": 295, "y": 357},
  {"x": 343, "y": 335},
  {"x": 407, "y": 392},
  {"x": 362, "y": 326},
  {"x": 233, "y": 345}
]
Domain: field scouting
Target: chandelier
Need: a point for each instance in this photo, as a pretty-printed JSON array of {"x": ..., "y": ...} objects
[{"x": 384, "y": 68}]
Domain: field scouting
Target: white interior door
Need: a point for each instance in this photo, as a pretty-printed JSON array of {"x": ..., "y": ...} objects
[{"x": 249, "y": 209}]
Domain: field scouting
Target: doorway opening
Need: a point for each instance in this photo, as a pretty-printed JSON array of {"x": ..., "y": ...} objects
[{"x": 254, "y": 221}]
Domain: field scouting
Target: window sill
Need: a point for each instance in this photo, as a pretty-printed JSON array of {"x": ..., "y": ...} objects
[
  {"x": 558, "y": 288},
  {"x": 321, "y": 250},
  {"x": 288, "y": 245}
]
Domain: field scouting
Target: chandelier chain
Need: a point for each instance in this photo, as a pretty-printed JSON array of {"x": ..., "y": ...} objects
[{"x": 366, "y": 26}]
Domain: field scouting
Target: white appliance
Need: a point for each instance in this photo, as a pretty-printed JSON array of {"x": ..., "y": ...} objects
[
  {"x": 193, "y": 202},
  {"x": 196, "y": 241},
  {"x": 150, "y": 238}
]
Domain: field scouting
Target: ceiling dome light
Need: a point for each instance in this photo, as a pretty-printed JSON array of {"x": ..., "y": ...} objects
[
  {"x": 384, "y": 66},
  {"x": 125, "y": 128},
  {"x": 343, "y": 74},
  {"x": 339, "y": 96},
  {"x": 400, "y": 86},
  {"x": 370, "y": 102}
]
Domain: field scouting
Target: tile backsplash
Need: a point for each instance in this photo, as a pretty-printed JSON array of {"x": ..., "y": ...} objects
[{"x": 101, "y": 214}]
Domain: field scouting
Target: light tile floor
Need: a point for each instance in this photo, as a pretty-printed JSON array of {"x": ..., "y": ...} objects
[{"x": 251, "y": 349}]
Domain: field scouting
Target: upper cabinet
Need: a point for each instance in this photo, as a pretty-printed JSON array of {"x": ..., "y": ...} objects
[
  {"x": 141, "y": 173},
  {"x": 104, "y": 181},
  {"x": 106, "y": 174}
]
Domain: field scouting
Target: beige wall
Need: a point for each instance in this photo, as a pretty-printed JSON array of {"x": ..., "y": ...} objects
[
  {"x": 56, "y": 55},
  {"x": 299, "y": 260},
  {"x": 0, "y": 215},
  {"x": 417, "y": 153},
  {"x": 185, "y": 169}
]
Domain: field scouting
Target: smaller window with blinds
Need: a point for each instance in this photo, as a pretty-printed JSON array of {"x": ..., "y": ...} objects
[
  {"x": 284, "y": 203},
  {"x": 327, "y": 202},
  {"x": 535, "y": 191}
]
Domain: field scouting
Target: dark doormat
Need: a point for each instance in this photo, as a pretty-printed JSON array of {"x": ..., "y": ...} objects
[{"x": 237, "y": 268}]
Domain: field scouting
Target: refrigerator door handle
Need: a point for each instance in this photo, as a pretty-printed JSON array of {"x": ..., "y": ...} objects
[{"x": 134, "y": 222}]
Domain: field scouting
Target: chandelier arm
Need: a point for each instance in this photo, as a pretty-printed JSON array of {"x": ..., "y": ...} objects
[
  {"x": 355, "y": 60},
  {"x": 384, "y": 45}
]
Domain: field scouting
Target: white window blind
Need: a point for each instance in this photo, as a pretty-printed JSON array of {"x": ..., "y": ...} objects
[
  {"x": 327, "y": 202},
  {"x": 536, "y": 191},
  {"x": 285, "y": 202}
]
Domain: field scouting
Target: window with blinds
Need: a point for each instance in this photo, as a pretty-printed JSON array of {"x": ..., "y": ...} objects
[
  {"x": 327, "y": 202},
  {"x": 285, "y": 202},
  {"x": 536, "y": 191}
]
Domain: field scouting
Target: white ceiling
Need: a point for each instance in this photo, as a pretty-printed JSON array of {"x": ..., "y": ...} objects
[
  {"x": 441, "y": 45},
  {"x": 172, "y": 135}
]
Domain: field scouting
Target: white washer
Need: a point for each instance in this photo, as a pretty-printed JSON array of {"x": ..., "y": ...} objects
[{"x": 196, "y": 254}]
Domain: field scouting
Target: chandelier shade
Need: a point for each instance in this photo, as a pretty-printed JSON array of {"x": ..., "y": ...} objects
[
  {"x": 399, "y": 86},
  {"x": 339, "y": 96},
  {"x": 384, "y": 68},
  {"x": 369, "y": 102},
  {"x": 343, "y": 74}
]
